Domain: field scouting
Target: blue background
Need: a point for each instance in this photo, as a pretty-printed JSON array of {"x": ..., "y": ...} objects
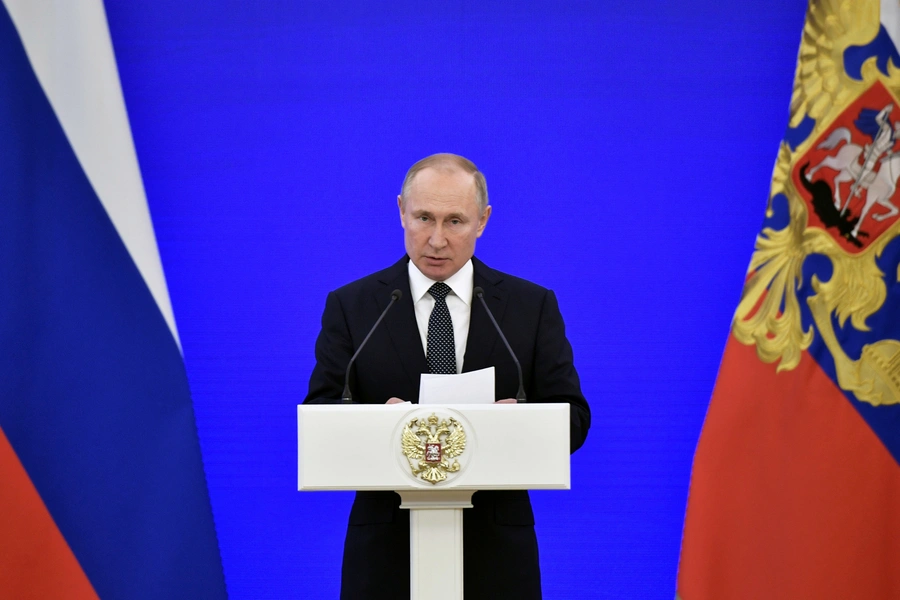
[{"x": 628, "y": 149}]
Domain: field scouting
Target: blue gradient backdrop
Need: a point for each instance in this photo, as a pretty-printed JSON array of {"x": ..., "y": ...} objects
[{"x": 628, "y": 149}]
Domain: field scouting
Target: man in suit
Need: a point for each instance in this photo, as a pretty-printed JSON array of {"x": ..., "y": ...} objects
[{"x": 438, "y": 326}]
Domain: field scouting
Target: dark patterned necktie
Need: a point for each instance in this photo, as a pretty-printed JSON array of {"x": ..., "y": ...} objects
[{"x": 441, "y": 352}]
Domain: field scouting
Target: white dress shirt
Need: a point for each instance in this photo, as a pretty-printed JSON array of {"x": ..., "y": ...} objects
[{"x": 459, "y": 303}]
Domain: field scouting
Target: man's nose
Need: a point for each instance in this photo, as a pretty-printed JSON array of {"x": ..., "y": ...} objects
[{"x": 437, "y": 239}]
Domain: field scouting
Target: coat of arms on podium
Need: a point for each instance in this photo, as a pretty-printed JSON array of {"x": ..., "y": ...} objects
[{"x": 431, "y": 446}]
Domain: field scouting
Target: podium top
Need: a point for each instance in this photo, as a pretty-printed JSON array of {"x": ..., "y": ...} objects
[{"x": 504, "y": 446}]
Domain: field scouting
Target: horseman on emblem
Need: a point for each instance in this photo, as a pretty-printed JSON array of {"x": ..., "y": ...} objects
[{"x": 873, "y": 168}]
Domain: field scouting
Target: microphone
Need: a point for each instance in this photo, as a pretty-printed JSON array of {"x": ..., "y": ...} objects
[
  {"x": 346, "y": 398},
  {"x": 520, "y": 395}
]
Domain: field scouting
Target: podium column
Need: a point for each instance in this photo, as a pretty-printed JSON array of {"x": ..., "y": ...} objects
[{"x": 436, "y": 542}]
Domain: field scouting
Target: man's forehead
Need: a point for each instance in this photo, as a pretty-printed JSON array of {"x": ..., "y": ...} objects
[{"x": 437, "y": 174}]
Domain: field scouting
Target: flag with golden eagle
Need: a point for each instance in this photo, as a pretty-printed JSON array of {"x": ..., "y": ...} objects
[{"x": 795, "y": 490}]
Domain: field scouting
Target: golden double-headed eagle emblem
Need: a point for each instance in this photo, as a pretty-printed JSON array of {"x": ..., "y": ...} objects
[
  {"x": 430, "y": 444},
  {"x": 841, "y": 185}
]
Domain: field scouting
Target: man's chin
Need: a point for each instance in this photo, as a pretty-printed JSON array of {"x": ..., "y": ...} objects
[{"x": 436, "y": 269}]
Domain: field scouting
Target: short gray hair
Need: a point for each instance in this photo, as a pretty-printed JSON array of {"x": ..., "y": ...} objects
[{"x": 447, "y": 161}]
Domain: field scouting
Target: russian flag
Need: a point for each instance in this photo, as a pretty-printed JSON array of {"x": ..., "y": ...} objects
[
  {"x": 102, "y": 489},
  {"x": 795, "y": 489}
]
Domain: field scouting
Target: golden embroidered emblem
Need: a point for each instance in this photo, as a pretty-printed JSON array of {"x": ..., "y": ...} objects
[
  {"x": 840, "y": 184},
  {"x": 429, "y": 446}
]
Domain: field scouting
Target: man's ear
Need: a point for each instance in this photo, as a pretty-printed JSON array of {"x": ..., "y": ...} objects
[
  {"x": 400, "y": 206},
  {"x": 482, "y": 222}
]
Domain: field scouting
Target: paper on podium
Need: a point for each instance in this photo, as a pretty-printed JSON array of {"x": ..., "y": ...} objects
[{"x": 475, "y": 387}]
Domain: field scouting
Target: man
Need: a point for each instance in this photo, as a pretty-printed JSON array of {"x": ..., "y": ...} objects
[
  {"x": 884, "y": 136},
  {"x": 439, "y": 327}
]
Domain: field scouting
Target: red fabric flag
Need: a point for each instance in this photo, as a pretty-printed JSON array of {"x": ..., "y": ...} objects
[{"x": 795, "y": 490}]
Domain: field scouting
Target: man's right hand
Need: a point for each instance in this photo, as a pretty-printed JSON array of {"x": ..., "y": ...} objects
[{"x": 394, "y": 401}]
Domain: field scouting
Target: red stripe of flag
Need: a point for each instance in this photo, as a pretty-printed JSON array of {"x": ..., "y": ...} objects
[
  {"x": 35, "y": 560},
  {"x": 792, "y": 494}
]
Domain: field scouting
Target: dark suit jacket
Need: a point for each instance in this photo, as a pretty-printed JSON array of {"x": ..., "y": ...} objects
[{"x": 500, "y": 548}]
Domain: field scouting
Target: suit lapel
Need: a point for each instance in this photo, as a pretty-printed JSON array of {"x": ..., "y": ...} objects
[
  {"x": 482, "y": 334},
  {"x": 401, "y": 321}
]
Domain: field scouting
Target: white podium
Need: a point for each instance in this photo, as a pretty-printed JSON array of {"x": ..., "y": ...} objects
[{"x": 435, "y": 457}]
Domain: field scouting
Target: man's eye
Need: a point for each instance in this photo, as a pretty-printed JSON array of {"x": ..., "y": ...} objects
[
  {"x": 455, "y": 221},
  {"x": 423, "y": 218}
]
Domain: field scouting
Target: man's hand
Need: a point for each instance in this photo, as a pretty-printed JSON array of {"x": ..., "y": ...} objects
[{"x": 396, "y": 400}]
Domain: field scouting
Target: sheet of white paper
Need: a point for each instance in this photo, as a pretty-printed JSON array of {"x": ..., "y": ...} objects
[{"x": 475, "y": 387}]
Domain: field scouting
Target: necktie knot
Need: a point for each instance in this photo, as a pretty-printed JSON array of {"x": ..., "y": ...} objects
[{"x": 439, "y": 290}]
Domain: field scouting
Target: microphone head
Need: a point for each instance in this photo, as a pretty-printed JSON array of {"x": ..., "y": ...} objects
[
  {"x": 396, "y": 295},
  {"x": 478, "y": 292}
]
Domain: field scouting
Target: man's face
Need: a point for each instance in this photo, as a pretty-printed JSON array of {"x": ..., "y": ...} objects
[{"x": 441, "y": 221}]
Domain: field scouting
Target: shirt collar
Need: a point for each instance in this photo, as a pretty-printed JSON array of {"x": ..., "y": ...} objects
[{"x": 462, "y": 282}]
